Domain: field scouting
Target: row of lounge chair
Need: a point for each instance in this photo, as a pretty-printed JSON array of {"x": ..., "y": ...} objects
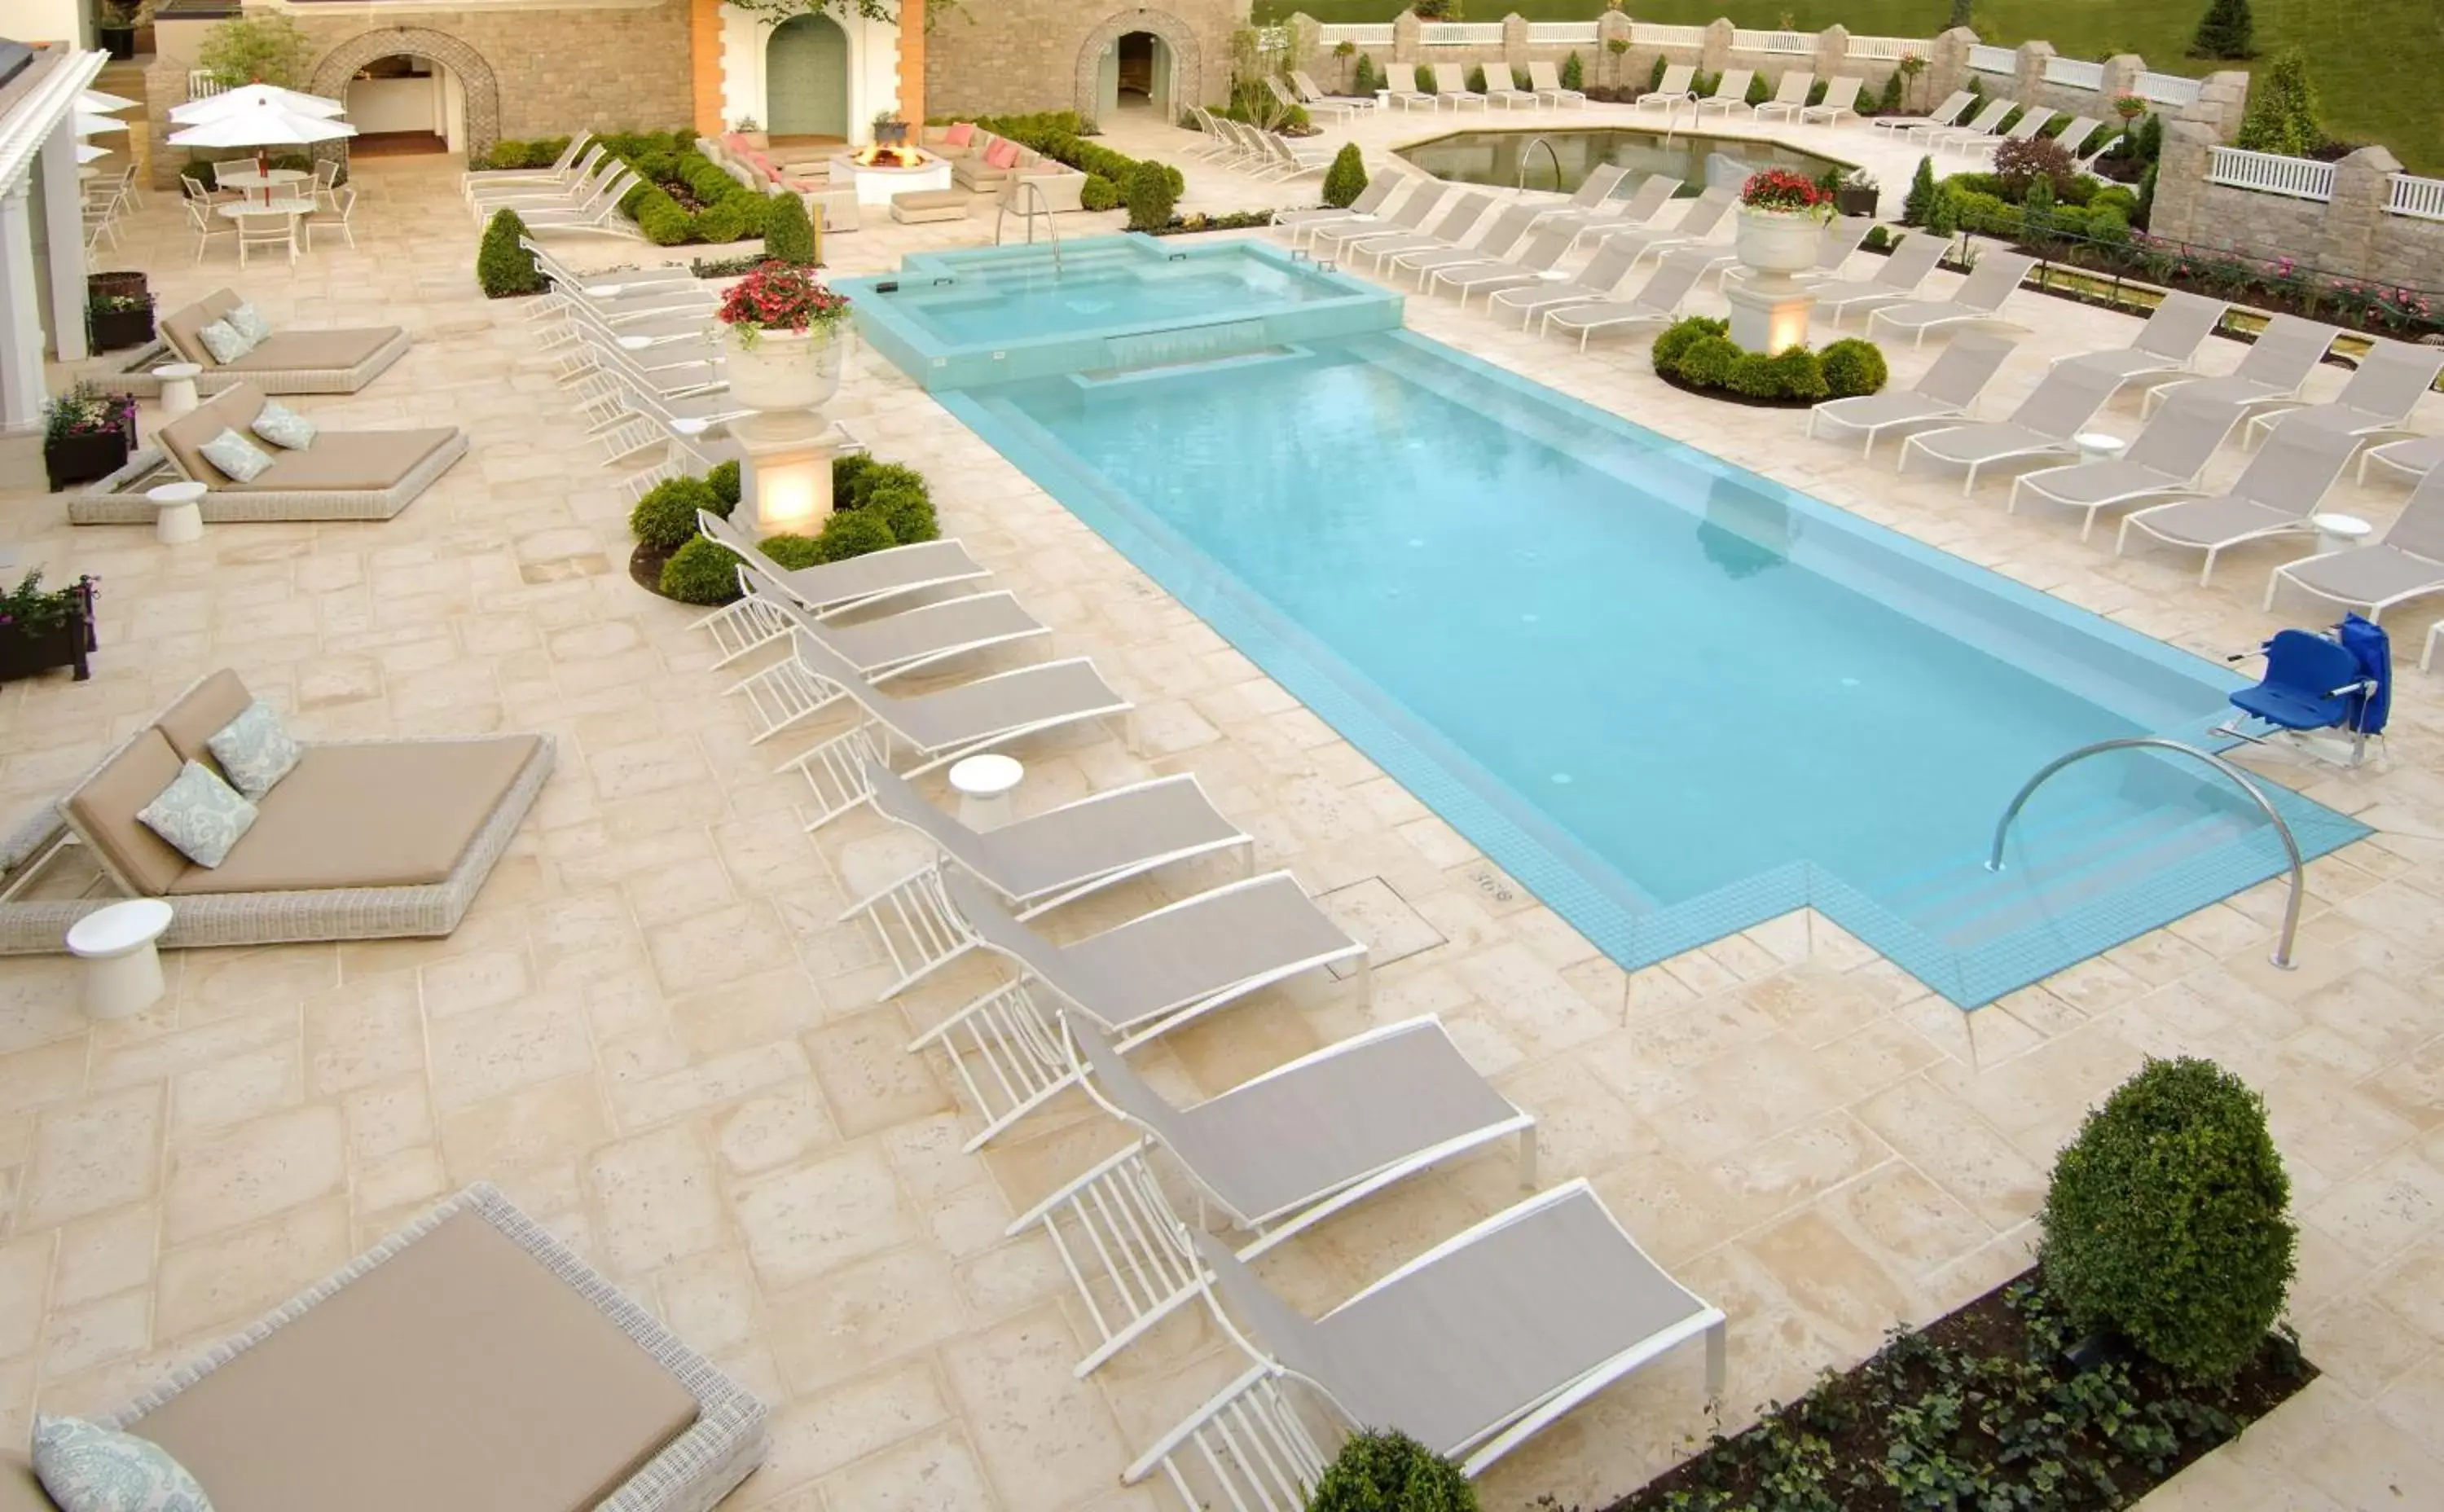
[
  {"x": 1731, "y": 96},
  {"x": 1451, "y": 87},
  {"x": 580, "y": 192},
  {"x": 1532, "y": 1311}
]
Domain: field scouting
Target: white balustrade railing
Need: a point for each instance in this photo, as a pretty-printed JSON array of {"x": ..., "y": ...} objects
[
  {"x": 1746, "y": 41},
  {"x": 1460, "y": 34},
  {"x": 2421, "y": 198},
  {"x": 2166, "y": 88},
  {"x": 1890, "y": 49},
  {"x": 2075, "y": 72},
  {"x": 203, "y": 85},
  {"x": 2271, "y": 174},
  {"x": 1647, "y": 34},
  {"x": 1371, "y": 34},
  {"x": 1560, "y": 33},
  {"x": 1993, "y": 60}
]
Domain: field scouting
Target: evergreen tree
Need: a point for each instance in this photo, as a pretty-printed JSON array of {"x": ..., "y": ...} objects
[
  {"x": 2283, "y": 110},
  {"x": 1889, "y": 102},
  {"x": 1920, "y": 203},
  {"x": 502, "y": 265},
  {"x": 2225, "y": 32},
  {"x": 1960, "y": 9},
  {"x": 1574, "y": 73},
  {"x": 1346, "y": 179}
]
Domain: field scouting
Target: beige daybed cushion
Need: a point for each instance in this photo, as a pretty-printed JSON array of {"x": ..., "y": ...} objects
[
  {"x": 337, "y": 462},
  {"x": 181, "y": 328},
  {"x": 396, "y": 815},
  {"x": 191, "y": 723},
  {"x": 460, "y": 1373},
  {"x": 105, "y": 805},
  {"x": 281, "y": 352}
]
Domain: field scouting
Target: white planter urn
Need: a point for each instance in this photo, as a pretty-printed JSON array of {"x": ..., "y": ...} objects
[
  {"x": 786, "y": 370},
  {"x": 1776, "y": 244}
]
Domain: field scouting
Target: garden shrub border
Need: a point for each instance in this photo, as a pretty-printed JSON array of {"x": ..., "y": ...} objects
[
  {"x": 876, "y": 505},
  {"x": 727, "y": 210},
  {"x": 1695, "y": 356}
]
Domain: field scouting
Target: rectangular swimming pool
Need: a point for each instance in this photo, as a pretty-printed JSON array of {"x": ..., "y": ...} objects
[{"x": 1671, "y": 697}]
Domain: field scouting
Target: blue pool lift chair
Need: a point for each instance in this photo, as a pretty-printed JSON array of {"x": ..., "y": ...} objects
[{"x": 2339, "y": 680}]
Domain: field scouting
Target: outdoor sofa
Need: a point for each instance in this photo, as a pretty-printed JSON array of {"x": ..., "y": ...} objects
[
  {"x": 470, "y": 1363},
  {"x": 362, "y": 840},
  {"x": 831, "y": 206},
  {"x": 342, "y": 476},
  {"x": 981, "y": 161},
  {"x": 304, "y": 361}
]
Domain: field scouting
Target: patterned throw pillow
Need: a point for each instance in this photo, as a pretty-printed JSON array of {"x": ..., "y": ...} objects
[
  {"x": 225, "y": 341},
  {"x": 249, "y": 324},
  {"x": 87, "y": 1467},
  {"x": 235, "y": 455},
  {"x": 282, "y": 426},
  {"x": 199, "y": 814},
  {"x": 254, "y": 751}
]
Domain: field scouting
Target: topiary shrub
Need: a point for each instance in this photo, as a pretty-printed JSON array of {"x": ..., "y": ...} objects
[
  {"x": 871, "y": 478},
  {"x": 2166, "y": 1220},
  {"x": 907, "y": 512},
  {"x": 1346, "y": 179},
  {"x": 503, "y": 267},
  {"x": 1655, "y": 75},
  {"x": 1098, "y": 192},
  {"x": 1677, "y": 336},
  {"x": 1888, "y": 102},
  {"x": 723, "y": 481},
  {"x": 853, "y": 533},
  {"x": 1150, "y": 197},
  {"x": 700, "y": 572},
  {"x": 1758, "y": 93},
  {"x": 1797, "y": 375},
  {"x": 2146, "y": 210},
  {"x": 1476, "y": 81},
  {"x": 846, "y": 469},
  {"x": 1574, "y": 73},
  {"x": 664, "y": 519},
  {"x": 1390, "y": 1473},
  {"x": 2282, "y": 116},
  {"x": 1707, "y": 363},
  {"x": 788, "y": 236},
  {"x": 791, "y": 551},
  {"x": 1853, "y": 368},
  {"x": 1920, "y": 206},
  {"x": 1878, "y": 240},
  {"x": 659, "y": 217}
]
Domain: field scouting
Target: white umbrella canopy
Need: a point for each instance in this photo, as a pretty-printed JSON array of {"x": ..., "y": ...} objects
[
  {"x": 266, "y": 125},
  {"x": 103, "y": 102},
  {"x": 89, "y": 125},
  {"x": 254, "y": 97},
  {"x": 87, "y": 152}
]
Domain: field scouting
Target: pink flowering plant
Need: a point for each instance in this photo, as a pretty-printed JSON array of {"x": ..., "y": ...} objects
[
  {"x": 779, "y": 297},
  {"x": 1782, "y": 191}
]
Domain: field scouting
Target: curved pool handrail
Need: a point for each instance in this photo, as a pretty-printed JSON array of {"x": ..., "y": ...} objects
[
  {"x": 2292, "y": 846},
  {"x": 1540, "y": 140}
]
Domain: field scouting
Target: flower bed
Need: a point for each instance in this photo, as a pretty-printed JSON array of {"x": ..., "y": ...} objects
[{"x": 43, "y": 627}]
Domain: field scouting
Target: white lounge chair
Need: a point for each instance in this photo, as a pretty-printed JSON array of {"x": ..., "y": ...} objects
[
  {"x": 2407, "y": 563},
  {"x": 2413, "y": 458},
  {"x": 1500, "y": 234},
  {"x": 1275, "y": 1156},
  {"x": 1989, "y": 117},
  {"x": 2169, "y": 342},
  {"x": 560, "y": 171},
  {"x": 1542, "y": 254},
  {"x": 2060, "y": 404},
  {"x": 2274, "y": 495},
  {"x": 1451, "y": 87},
  {"x": 1404, "y": 92},
  {"x": 2270, "y": 371},
  {"x": 2392, "y": 376},
  {"x": 2032, "y": 120},
  {"x": 1790, "y": 95},
  {"x": 1944, "y": 395},
  {"x": 1596, "y": 280},
  {"x": 1707, "y": 216},
  {"x": 1366, "y": 206},
  {"x": 1470, "y": 1349},
  {"x": 1840, "y": 98},
  {"x": 1332, "y": 239},
  {"x": 2073, "y": 137},
  {"x": 1460, "y": 214},
  {"x": 1657, "y": 303},
  {"x": 540, "y": 186},
  {"x": 1503, "y": 91},
  {"x": 1979, "y": 300},
  {"x": 1912, "y": 257},
  {"x": 2168, "y": 457},
  {"x": 1943, "y": 115},
  {"x": 1612, "y": 214},
  {"x": 1141, "y": 979},
  {"x": 1546, "y": 82},
  {"x": 1317, "y": 102},
  {"x": 1672, "y": 91},
  {"x": 1730, "y": 92}
]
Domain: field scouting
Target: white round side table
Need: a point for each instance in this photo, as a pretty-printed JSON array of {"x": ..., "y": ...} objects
[
  {"x": 182, "y": 517},
  {"x": 2340, "y": 532},
  {"x": 2095, "y": 446},
  {"x": 177, "y": 387},
  {"x": 122, "y": 970},
  {"x": 984, "y": 784}
]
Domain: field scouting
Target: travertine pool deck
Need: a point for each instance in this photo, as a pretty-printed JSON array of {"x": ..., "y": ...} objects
[{"x": 652, "y": 1033}]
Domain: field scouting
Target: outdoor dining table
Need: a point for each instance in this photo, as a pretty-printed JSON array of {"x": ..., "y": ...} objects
[
  {"x": 245, "y": 178},
  {"x": 291, "y": 208}
]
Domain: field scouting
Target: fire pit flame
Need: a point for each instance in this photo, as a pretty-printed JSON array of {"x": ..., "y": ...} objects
[{"x": 881, "y": 157}]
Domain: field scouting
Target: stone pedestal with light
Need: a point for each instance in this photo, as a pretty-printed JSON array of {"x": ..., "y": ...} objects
[
  {"x": 786, "y": 377},
  {"x": 1769, "y": 309}
]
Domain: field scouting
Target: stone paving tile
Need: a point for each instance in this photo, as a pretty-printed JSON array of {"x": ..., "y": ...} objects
[{"x": 652, "y": 1031}]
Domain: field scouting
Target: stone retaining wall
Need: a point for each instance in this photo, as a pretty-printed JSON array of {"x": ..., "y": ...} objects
[{"x": 2353, "y": 235}]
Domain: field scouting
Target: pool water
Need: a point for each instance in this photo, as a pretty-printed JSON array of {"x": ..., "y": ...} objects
[
  {"x": 1672, "y": 698},
  {"x": 1696, "y": 159}
]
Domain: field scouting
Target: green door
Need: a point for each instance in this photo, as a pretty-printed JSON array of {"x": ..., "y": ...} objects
[{"x": 805, "y": 78}]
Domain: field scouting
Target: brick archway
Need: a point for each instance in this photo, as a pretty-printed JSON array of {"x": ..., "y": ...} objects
[
  {"x": 1187, "y": 58},
  {"x": 483, "y": 91}
]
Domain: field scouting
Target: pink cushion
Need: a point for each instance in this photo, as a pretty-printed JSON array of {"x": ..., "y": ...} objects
[
  {"x": 760, "y": 160},
  {"x": 959, "y": 135},
  {"x": 734, "y": 142},
  {"x": 1003, "y": 153}
]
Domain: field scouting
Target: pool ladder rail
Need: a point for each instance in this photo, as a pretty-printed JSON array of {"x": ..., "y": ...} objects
[
  {"x": 1540, "y": 140},
  {"x": 2281, "y": 956},
  {"x": 1021, "y": 189}
]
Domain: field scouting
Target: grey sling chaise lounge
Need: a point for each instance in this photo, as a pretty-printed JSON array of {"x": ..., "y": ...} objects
[
  {"x": 470, "y": 1361},
  {"x": 1500, "y": 235},
  {"x": 340, "y": 475},
  {"x": 304, "y": 362},
  {"x": 2167, "y": 458},
  {"x": 2273, "y": 495},
  {"x": 2270, "y": 371},
  {"x": 2413, "y": 460},
  {"x": 1460, "y": 214},
  {"x": 1708, "y": 213},
  {"x": 2062, "y": 401},
  {"x": 1036, "y": 864},
  {"x": 2407, "y": 563},
  {"x": 1655, "y": 304},
  {"x": 2168, "y": 343},
  {"x": 1366, "y": 206},
  {"x": 2392, "y": 379},
  {"x": 1276, "y": 1156},
  {"x": 1337, "y": 239},
  {"x": 1594, "y": 281},
  {"x": 1942, "y": 397},
  {"x": 1472, "y": 1349},
  {"x": 1543, "y": 254},
  {"x": 1912, "y": 257},
  {"x": 1141, "y": 979},
  {"x": 826, "y": 589},
  {"x": 1979, "y": 299}
]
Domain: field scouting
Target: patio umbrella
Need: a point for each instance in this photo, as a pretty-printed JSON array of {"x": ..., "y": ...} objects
[
  {"x": 87, "y": 152},
  {"x": 265, "y": 125},
  {"x": 90, "y": 125},
  {"x": 254, "y": 97},
  {"x": 102, "y": 101}
]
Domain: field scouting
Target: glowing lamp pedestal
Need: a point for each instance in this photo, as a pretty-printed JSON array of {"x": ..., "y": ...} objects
[
  {"x": 1769, "y": 309},
  {"x": 787, "y": 476}
]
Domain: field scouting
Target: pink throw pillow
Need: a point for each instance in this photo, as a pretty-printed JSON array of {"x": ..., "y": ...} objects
[
  {"x": 1003, "y": 153},
  {"x": 734, "y": 142},
  {"x": 959, "y": 135}
]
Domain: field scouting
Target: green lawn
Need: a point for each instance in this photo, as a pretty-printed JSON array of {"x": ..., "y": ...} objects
[{"x": 2379, "y": 64}]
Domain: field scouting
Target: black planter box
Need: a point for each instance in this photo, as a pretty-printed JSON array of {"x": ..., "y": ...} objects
[
  {"x": 109, "y": 330},
  {"x": 127, "y": 282},
  {"x": 1851, "y": 201},
  {"x": 62, "y": 645},
  {"x": 83, "y": 458}
]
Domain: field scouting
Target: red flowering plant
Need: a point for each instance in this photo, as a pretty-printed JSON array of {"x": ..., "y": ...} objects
[
  {"x": 1781, "y": 191},
  {"x": 780, "y": 297}
]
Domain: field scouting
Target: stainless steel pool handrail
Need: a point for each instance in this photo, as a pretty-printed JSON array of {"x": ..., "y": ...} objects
[
  {"x": 1540, "y": 140},
  {"x": 1023, "y": 185},
  {"x": 2292, "y": 846}
]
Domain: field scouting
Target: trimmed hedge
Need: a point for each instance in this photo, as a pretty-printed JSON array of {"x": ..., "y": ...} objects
[
  {"x": 1699, "y": 352},
  {"x": 1061, "y": 136},
  {"x": 503, "y": 267},
  {"x": 729, "y": 212}
]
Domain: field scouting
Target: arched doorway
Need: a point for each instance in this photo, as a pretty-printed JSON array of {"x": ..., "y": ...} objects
[
  {"x": 1138, "y": 74},
  {"x": 1154, "y": 49},
  {"x": 478, "y": 94},
  {"x": 403, "y": 106},
  {"x": 805, "y": 78}
]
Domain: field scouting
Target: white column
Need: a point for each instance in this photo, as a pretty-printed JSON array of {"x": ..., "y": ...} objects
[
  {"x": 21, "y": 332},
  {"x": 63, "y": 225}
]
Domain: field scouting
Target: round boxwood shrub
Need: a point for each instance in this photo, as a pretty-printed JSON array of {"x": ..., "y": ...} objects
[
  {"x": 1098, "y": 192},
  {"x": 723, "y": 480},
  {"x": 2166, "y": 1220},
  {"x": 700, "y": 572},
  {"x": 1752, "y": 373},
  {"x": 871, "y": 478},
  {"x": 503, "y": 267},
  {"x": 1346, "y": 179},
  {"x": 1390, "y": 1473},
  {"x": 1677, "y": 336},
  {"x": 907, "y": 512},
  {"x": 1853, "y": 368},
  {"x": 665, "y": 517},
  {"x": 789, "y": 236},
  {"x": 1151, "y": 196},
  {"x": 846, "y": 469},
  {"x": 1797, "y": 375},
  {"x": 791, "y": 551},
  {"x": 1707, "y": 361},
  {"x": 853, "y": 533}
]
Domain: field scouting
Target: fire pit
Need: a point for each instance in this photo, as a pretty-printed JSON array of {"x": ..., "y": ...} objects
[{"x": 880, "y": 172}]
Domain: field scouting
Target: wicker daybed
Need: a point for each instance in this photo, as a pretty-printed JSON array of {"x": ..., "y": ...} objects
[
  {"x": 470, "y": 1363},
  {"x": 314, "y": 361},
  {"x": 342, "y": 475},
  {"x": 363, "y": 840}
]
